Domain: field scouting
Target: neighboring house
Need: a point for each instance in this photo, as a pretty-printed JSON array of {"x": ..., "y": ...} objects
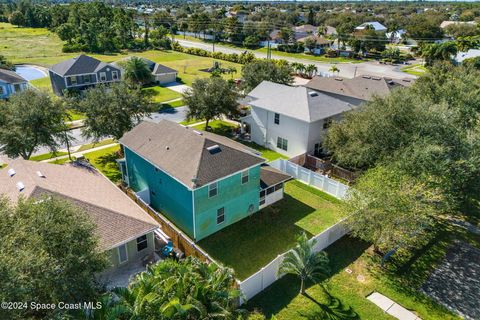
[
  {"x": 321, "y": 44},
  {"x": 462, "y": 56},
  {"x": 162, "y": 74},
  {"x": 125, "y": 231},
  {"x": 357, "y": 90},
  {"x": 375, "y": 25},
  {"x": 200, "y": 181},
  {"x": 81, "y": 73},
  {"x": 291, "y": 120},
  {"x": 304, "y": 31},
  {"x": 330, "y": 31},
  {"x": 445, "y": 24},
  {"x": 10, "y": 82},
  {"x": 395, "y": 36}
]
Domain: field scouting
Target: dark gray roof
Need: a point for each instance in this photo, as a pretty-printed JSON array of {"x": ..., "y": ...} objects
[
  {"x": 269, "y": 176},
  {"x": 161, "y": 69},
  {"x": 10, "y": 76},
  {"x": 78, "y": 65},
  {"x": 195, "y": 158},
  {"x": 296, "y": 102}
]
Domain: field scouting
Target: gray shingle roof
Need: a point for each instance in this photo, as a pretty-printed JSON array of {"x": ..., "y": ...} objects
[
  {"x": 269, "y": 176},
  {"x": 296, "y": 102},
  {"x": 185, "y": 154},
  {"x": 161, "y": 69},
  {"x": 362, "y": 87},
  {"x": 10, "y": 76},
  {"x": 117, "y": 217},
  {"x": 78, "y": 65}
]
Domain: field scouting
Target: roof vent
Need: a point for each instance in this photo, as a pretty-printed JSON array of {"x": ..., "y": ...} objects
[
  {"x": 11, "y": 172},
  {"x": 339, "y": 79},
  {"x": 198, "y": 132},
  {"x": 313, "y": 94},
  {"x": 406, "y": 80},
  {"x": 167, "y": 148},
  {"x": 366, "y": 77},
  {"x": 41, "y": 175},
  {"x": 391, "y": 82},
  {"x": 376, "y": 78},
  {"x": 20, "y": 186},
  {"x": 214, "y": 149}
]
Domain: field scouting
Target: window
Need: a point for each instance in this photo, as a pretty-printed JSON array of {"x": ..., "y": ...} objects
[
  {"x": 2, "y": 91},
  {"x": 142, "y": 243},
  {"x": 220, "y": 215},
  {"x": 17, "y": 87},
  {"x": 213, "y": 189},
  {"x": 282, "y": 143},
  {"x": 122, "y": 254},
  {"x": 262, "y": 197},
  {"x": 86, "y": 79},
  {"x": 115, "y": 75},
  {"x": 317, "y": 150},
  {"x": 73, "y": 81},
  {"x": 244, "y": 176},
  {"x": 277, "y": 118},
  {"x": 270, "y": 190},
  {"x": 327, "y": 123},
  {"x": 103, "y": 76},
  {"x": 278, "y": 186}
]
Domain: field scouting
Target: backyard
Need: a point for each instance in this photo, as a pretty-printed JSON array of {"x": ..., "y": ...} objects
[
  {"x": 400, "y": 281},
  {"x": 253, "y": 242}
]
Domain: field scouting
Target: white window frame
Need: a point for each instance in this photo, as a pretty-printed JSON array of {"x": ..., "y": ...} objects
[
  {"x": 120, "y": 256},
  {"x": 103, "y": 76},
  {"x": 276, "y": 118},
  {"x": 211, "y": 187},
  {"x": 142, "y": 241},
  {"x": 72, "y": 82},
  {"x": 282, "y": 143},
  {"x": 87, "y": 78},
  {"x": 222, "y": 215},
  {"x": 245, "y": 174},
  {"x": 114, "y": 75}
]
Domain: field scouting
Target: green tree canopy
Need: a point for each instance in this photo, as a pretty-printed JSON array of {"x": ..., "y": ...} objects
[
  {"x": 113, "y": 110},
  {"x": 260, "y": 70},
  {"x": 49, "y": 254},
  {"x": 137, "y": 72},
  {"x": 210, "y": 98},
  {"x": 29, "y": 120},
  {"x": 5, "y": 64}
]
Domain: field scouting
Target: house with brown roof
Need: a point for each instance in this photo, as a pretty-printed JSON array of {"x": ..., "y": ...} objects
[
  {"x": 126, "y": 232},
  {"x": 200, "y": 181},
  {"x": 357, "y": 90}
]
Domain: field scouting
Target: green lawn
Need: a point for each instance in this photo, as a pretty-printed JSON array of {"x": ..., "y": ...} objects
[
  {"x": 95, "y": 145},
  {"x": 253, "y": 242},
  {"x": 75, "y": 115},
  {"x": 310, "y": 57},
  {"x": 42, "y": 84},
  {"x": 42, "y": 47},
  {"x": 47, "y": 156},
  {"x": 105, "y": 161},
  {"x": 161, "y": 94},
  {"x": 174, "y": 104},
  {"x": 400, "y": 281},
  {"x": 225, "y": 129},
  {"x": 415, "y": 69}
]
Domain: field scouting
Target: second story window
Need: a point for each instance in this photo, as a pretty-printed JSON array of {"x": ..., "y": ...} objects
[
  {"x": 103, "y": 76},
  {"x": 212, "y": 189},
  {"x": 244, "y": 176},
  {"x": 277, "y": 118},
  {"x": 114, "y": 75}
]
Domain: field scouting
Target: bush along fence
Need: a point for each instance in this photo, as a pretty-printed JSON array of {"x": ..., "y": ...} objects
[
  {"x": 178, "y": 238},
  {"x": 267, "y": 275},
  {"x": 322, "y": 182},
  {"x": 242, "y": 58}
]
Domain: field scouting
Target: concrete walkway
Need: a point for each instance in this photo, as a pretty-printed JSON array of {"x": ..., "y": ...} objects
[
  {"x": 391, "y": 307},
  {"x": 79, "y": 153}
]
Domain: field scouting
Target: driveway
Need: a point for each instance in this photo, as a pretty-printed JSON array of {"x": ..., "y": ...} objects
[
  {"x": 177, "y": 87},
  {"x": 347, "y": 70},
  {"x": 173, "y": 114}
]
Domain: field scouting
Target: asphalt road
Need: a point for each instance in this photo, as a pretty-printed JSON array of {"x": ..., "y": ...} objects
[{"x": 347, "y": 70}]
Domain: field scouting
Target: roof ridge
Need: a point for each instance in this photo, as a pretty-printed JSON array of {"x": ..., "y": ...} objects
[{"x": 199, "y": 162}]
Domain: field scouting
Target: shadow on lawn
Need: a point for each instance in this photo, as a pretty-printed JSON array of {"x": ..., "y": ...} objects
[
  {"x": 281, "y": 293},
  {"x": 334, "y": 310},
  {"x": 109, "y": 166}
]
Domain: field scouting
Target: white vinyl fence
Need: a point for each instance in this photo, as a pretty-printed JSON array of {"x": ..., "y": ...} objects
[
  {"x": 257, "y": 282},
  {"x": 324, "y": 183}
]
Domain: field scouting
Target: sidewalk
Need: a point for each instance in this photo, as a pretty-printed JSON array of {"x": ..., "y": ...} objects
[
  {"x": 391, "y": 307},
  {"x": 80, "y": 153}
]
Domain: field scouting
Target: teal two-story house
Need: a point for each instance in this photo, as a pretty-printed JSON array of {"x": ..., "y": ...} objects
[{"x": 200, "y": 181}]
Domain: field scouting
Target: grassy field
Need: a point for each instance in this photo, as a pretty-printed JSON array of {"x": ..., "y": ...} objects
[
  {"x": 415, "y": 69},
  {"x": 251, "y": 243},
  {"x": 161, "y": 94},
  {"x": 400, "y": 281},
  {"x": 95, "y": 145},
  {"x": 40, "y": 46},
  {"x": 105, "y": 160},
  {"x": 47, "y": 156}
]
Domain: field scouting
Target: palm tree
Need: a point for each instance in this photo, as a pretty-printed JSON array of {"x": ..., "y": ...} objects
[
  {"x": 305, "y": 263},
  {"x": 311, "y": 69},
  {"x": 137, "y": 72},
  {"x": 334, "y": 69}
]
